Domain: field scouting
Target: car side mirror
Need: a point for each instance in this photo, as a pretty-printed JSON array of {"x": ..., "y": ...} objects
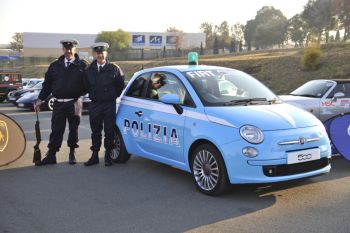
[
  {"x": 338, "y": 95},
  {"x": 170, "y": 99},
  {"x": 174, "y": 100}
]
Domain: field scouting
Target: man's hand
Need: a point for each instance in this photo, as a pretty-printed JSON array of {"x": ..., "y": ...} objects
[
  {"x": 37, "y": 104},
  {"x": 78, "y": 107}
]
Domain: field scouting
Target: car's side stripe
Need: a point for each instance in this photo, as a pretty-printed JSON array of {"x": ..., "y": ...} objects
[{"x": 154, "y": 106}]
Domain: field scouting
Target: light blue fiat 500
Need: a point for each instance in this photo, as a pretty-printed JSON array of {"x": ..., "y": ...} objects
[{"x": 221, "y": 125}]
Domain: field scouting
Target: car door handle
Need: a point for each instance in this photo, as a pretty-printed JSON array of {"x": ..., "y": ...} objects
[{"x": 139, "y": 113}]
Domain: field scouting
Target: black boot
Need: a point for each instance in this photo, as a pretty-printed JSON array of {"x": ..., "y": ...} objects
[
  {"x": 93, "y": 159},
  {"x": 50, "y": 158},
  {"x": 108, "y": 160},
  {"x": 72, "y": 159}
]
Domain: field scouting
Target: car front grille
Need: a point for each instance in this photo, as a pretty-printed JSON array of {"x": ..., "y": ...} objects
[{"x": 297, "y": 168}]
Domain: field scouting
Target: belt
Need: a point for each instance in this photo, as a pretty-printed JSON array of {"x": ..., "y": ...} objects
[{"x": 64, "y": 100}]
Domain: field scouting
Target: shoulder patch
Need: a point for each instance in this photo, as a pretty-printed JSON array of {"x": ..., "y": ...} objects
[{"x": 117, "y": 68}]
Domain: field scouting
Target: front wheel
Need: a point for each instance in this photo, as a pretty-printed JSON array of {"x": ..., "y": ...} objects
[
  {"x": 119, "y": 153},
  {"x": 209, "y": 170}
]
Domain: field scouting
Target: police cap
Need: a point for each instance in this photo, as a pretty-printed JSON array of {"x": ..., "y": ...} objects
[
  {"x": 69, "y": 43},
  {"x": 100, "y": 46}
]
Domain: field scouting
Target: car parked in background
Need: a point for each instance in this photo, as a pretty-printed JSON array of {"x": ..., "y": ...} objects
[
  {"x": 219, "y": 124},
  {"x": 14, "y": 95},
  {"x": 323, "y": 98},
  {"x": 29, "y": 83},
  {"x": 9, "y": 80}
]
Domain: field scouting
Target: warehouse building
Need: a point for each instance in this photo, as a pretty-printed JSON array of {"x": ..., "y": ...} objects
[{"x": 37, "y": 44}]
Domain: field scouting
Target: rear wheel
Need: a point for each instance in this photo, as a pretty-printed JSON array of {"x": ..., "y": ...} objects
[
  {"x": 209, "y": 170},
  {"x": 2, "y": 98},
  {"x": 119, "y": 153}
]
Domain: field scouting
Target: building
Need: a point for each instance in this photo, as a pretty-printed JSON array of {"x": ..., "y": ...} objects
[{"x": 37, "y": 44}]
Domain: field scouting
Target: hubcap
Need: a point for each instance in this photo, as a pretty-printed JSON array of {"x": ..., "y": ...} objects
[
  {"x": 205, "y": 170},
  {"x": 116, "y": 151}
]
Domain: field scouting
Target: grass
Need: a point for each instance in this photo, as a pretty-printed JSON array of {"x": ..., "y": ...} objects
[{"x": 280, "y": 70}]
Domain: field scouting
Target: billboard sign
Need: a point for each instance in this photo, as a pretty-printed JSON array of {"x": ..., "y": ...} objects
[
  {"x": 138, "y": 39},
  {"x": 171, "y": 40},
  {"x": 155, "y": 40}
]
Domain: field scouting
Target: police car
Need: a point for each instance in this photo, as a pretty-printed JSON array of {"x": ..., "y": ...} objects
[{"x": 220, "y": 124}]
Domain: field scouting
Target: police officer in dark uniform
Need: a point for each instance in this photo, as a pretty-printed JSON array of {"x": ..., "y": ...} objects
[
  {"x": 65, "y": 80},
  {"x": 104, "y": 82}
]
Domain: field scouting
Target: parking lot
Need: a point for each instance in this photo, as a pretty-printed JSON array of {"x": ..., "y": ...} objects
[{"x": 145, "y": 196}]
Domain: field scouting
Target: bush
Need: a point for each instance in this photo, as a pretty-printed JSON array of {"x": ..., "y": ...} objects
[{"x": 311, "y": 57}]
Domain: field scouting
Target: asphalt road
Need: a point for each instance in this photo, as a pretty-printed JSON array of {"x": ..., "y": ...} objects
[{"x": 145, "y": 196}]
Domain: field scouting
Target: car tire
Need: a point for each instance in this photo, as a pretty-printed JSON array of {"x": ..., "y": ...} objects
[
  {"x": 2, "y": 99},
  {"x": 119, "y": 153},
  {"x": 209, "y": 170},
  {"x": 50, "y": 102}
]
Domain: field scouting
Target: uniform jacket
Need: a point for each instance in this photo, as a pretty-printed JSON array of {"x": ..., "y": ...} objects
[
  {"x": 105, "y": 85},
  {"x": 62, "y": 82}
]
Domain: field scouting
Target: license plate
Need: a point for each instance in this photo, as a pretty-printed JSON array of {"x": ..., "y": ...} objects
[
  {"x": 12, "y": 98},
  {"x": 303, "y": 156},
  {"x": 20, "y": 105}
]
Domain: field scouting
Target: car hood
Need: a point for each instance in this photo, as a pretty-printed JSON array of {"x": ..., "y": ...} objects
[
  {"x": 295, "y": 98},
  {"x": 266, "y": 117},
  {"x": 28, "y": 97}
]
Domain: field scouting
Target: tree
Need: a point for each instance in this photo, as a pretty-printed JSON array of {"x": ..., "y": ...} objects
[
  {"x": 208, "y": 29},
  {"x": 297, "y": 30},
  {"x": 341, "y": 9},
  {"x": 249, "y": 31},
  {"x": 179, "y": 36},
  {"x": 318, "y": 16},
  {"x": 17, "y": 43},
  {"x": 173, "y": 29},
  {"x": 117, "y": 40},
  {"x": 216, "y": 46},
  {"x": 238, "y": 33},
  {"x": 223, "y": 32},
  {"x": 271, "y": 27}
]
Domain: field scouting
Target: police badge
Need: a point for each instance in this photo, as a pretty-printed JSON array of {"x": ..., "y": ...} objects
[
  {"x": 12, "y": 140},
  {"x": 4, "y": 135}
]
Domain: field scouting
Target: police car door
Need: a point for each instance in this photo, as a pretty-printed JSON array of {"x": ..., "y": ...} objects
[
  {"x": 130, "y": 114},
  {"x": 164, "y": 126}
]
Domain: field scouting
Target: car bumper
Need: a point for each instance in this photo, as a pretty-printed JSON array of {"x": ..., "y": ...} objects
[
  {"x": 271, "y": 165},
  {"x": 25, "y": 105}
]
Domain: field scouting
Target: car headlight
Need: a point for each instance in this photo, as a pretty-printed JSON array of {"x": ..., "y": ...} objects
[{"x": 251, "y": 134}]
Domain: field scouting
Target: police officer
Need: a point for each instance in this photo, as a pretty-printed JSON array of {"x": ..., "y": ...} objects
[
  {"x": 65, "y": 80},
  {"x": 104, "y": 82}
]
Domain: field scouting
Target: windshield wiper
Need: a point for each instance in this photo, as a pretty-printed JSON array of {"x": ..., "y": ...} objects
[{"x": 245, "y": 102}]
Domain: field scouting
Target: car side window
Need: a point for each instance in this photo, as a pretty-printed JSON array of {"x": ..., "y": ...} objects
[
  {"x": 162, "y": 83},
  {"x": 137, "y": 87},
  {"x": 341, "y": 87}
]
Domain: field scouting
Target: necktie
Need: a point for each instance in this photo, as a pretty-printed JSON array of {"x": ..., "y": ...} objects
[
  {"x": 99, "y": 69},
  {"x": 67, "y": 64}
]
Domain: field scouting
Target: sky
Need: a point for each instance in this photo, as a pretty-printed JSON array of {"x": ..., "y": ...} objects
[{"x": 92, "y": 17}]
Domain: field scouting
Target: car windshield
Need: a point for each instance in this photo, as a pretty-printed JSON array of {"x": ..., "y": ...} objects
[
  {"x": 315, "y": 89},
  {"x": 228, "y": 87},
  {"x": 38, "y": 85}
]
